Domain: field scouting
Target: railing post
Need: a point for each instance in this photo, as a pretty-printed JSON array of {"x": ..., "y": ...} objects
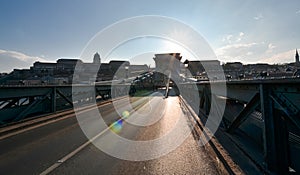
[
  {"x": 53, "y": 99},
  {"x": 275, "y": 139},
  {"x": 207, "y": 99},
  {"x": 281, "y": 141}
]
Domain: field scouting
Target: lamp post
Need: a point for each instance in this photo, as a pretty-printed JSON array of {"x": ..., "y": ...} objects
[
  {"x": 186, "y": 65},
  {"x": 186, "y": 68},
  {"x": 127, "y": 71}
]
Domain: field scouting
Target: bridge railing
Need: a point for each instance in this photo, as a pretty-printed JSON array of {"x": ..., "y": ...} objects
[
  {"x": 261, "y": 117},
  {"x": 19, "y": 102}
]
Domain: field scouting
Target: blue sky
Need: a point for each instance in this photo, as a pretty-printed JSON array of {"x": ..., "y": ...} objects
[{"x": 249, "y": 31}]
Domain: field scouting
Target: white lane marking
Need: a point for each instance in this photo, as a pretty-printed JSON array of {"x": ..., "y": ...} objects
[
  {"x": 54, "y": 120},
  {"x": 71, "y": 154}
]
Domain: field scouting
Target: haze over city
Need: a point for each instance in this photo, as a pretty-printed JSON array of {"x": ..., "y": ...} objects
[{"x": 245, "y": 31}]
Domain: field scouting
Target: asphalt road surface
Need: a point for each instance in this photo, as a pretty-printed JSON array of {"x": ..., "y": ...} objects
[{"x": 157, "y": 124}]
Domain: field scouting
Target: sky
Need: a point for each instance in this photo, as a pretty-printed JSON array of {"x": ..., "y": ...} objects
[{"x": 249, "y": 31}]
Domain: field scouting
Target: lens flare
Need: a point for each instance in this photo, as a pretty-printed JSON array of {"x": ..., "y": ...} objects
[
  {"x": 125, "y": 114},
  {"x": 116, "y": 127}
]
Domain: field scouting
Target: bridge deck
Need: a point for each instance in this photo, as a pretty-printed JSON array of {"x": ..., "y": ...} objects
[{"x": 38, "y": 149}]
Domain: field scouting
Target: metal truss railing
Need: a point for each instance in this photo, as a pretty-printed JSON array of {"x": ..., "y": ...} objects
[
  {"x": 19, "y": 102},
  {"x": 261, "y": 117}
]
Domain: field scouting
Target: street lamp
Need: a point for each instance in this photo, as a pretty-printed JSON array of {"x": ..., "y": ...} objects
[
  {"x": 127, "y": 71},
  {"x": 186, "y": 65},
  {"x": 186, "y": 69}
]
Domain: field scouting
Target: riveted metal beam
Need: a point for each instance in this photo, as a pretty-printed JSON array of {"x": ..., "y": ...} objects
[
  {"x": 275, "y": 134},
  {"x": 244, "y": 114},
  {"x": 33, "y": 105},
  {"x": 291, "y": 113},
  {"x": 64, "y": 97}
]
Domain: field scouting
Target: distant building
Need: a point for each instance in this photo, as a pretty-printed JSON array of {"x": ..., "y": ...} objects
[
  {"x": 97, "y": 59},
  {"x": 40, "y": 67},
  {"x": 68, "y": 64},
  {"x": 167, "y": 61},
  {"x": 136, "y": 70},
  {"x": 105, "y": 73},
  {"x": 62, "y": 72},
  {"x": 233, "y": 65},
  {"x": 199, "y": 69},
  {"x": 257, "y": 67},
  {"x": 117, "y": 64},
  {"x": 3, "y": 74},
  {"x": 166, "y": 64},
  {"x": 195, "y": 67}
]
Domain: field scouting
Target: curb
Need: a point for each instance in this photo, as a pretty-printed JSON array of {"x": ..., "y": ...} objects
[{"x": 219, "y": 155}]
